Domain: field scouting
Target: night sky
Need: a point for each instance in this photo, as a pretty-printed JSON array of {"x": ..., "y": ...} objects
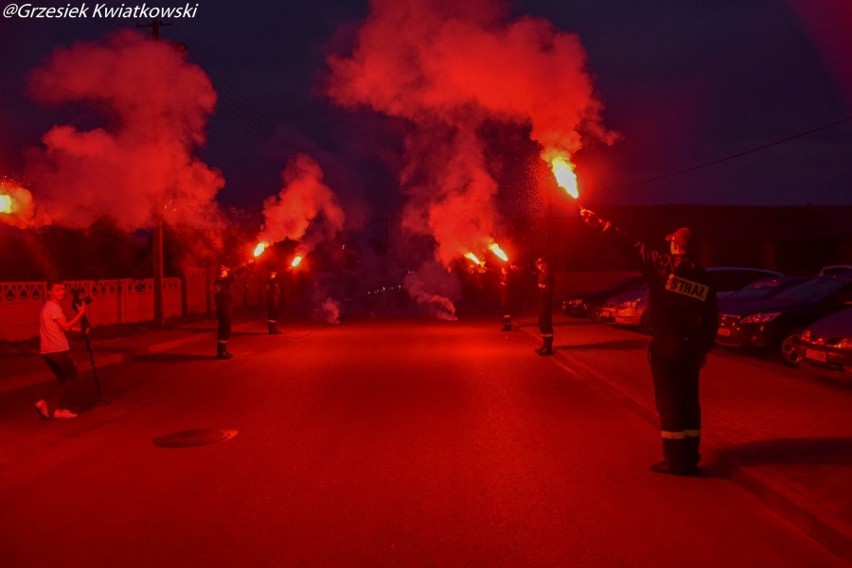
[{"x": 684, "y": 84}]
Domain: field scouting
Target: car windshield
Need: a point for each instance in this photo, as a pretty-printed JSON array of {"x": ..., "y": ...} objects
[
  {"x": 811, "y": 290},
  {"x": 758, "y": 290}
]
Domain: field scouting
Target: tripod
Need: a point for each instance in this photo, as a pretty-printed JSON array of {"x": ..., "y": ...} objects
[{"x": 85, "y": 327}]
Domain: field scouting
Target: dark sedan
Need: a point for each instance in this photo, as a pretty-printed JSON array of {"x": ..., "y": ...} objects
[
  {"x": 826, "y": 345},
  {"x": 774, "y": 323},
  {"x": 761, "y": 290}
]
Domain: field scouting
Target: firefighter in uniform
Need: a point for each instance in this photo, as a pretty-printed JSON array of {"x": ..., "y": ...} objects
[
  {"x": 273, "y": 301},
  {"x": 544, "y": 283},
  {"x": 684, "y": 319},
  {"x": 224, "y": 301}
]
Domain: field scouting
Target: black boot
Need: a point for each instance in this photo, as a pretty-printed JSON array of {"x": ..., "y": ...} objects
[
  {"x": 681, "y": 457},
  {"x": 547, "y": 348},
  {"x": 507, "y": 324},
  {"x": 222, "y": 351},
  {"x": 273, "y": 329}
]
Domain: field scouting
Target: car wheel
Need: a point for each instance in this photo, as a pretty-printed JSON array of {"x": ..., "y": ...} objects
[{"x": 790, "y": 356}]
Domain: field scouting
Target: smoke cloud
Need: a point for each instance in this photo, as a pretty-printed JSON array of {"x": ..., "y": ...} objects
[
  {"x": 330, "y": 311},
  {"x": 137, "y": 167},
  {"x": 304, "y": 210},
  {"x": 434, "y": 289},
  {"x": 447, "y": 67}
]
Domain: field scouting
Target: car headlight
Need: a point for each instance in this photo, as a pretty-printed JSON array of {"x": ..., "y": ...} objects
[
  {"x": 845, "y": 344},
  {"x": 762, "y": 317}
]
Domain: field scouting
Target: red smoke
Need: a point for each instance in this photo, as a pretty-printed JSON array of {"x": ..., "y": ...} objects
[
  {"x": 138, "y": 167},
  {"x": 434, "y": 289},
  {"x": 303, "y": 199},
  {"x": 447, "y": 66}
]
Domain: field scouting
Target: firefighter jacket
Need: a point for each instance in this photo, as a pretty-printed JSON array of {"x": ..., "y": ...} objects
[
  {"x": 273, "y": 291},
  {"x": 681, "y": 297},
  {"x": 544, "y": 282},
  {"x": 222, "y": 290}
]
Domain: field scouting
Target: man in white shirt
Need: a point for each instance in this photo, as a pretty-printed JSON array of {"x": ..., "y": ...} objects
[{"x": 55, "y": 350}]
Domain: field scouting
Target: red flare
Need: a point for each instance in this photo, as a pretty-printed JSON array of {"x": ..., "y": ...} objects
[
  {"x": 563, "y": 171},
  {"x": 498, "y": 252},
  {"x": 16, "y": 205},
  {"x": 473, "y": 258}
]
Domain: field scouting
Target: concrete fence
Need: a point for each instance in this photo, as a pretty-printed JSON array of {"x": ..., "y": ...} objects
[
  {"x": 119, "y": 301},
  {"x": 132, "y": 301}
]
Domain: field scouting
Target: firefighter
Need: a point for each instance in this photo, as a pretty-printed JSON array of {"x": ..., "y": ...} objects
[
  {"x": 684, "y": 318},
  {"x": 224, "y": 301},
  {"x": 544, "y": 283},
  {"x": 273, "y": 301}
]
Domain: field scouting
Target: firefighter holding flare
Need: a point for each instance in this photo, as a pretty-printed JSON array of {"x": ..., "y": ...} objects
[
  {"x": 544, "y": 286},
  {"x": 224, "y": 302},
  {"x": 684, "y": 318},
  {"x": 273, "y": 301}
]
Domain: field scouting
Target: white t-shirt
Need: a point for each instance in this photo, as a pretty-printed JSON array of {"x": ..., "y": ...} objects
[{"x": 53, "y": 339}]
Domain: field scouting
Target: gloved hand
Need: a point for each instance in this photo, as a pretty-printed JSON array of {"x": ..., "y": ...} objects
[{"x": 590, "y": 218}]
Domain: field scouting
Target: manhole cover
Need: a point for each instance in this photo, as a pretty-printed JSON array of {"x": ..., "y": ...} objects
[{"x": 197, "y": 437}]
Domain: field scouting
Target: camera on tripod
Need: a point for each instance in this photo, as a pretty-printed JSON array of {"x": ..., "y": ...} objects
[{"x": 78, "y": 298}]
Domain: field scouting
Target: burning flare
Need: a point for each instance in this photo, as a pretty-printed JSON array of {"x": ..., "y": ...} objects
[
  {"x": 473, "y": 258},
  {"x": 563, "y": 170},
  {"x": 498, "y": 252},
  {"x": 258, "y": 250},
  {"x": 16, "y": 205},
  {"x": 296, "y": 261}
]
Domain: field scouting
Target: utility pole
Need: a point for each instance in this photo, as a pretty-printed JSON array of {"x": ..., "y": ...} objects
[
  {"x": 155, "y": 27},
  {"x": 157, "y": 240}
]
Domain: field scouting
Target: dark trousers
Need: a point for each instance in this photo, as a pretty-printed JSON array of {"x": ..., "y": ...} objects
[
  {"x": 677, "y": 400},
  {"x": 62, "y": 365},
  {"x": 545, "y": 317},
  {"x": 223, "y": 315},
  {"x": 272, "y": 312}
]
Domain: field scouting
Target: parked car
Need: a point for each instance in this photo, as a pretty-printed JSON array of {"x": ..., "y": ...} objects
[
  {"x": 762, "y": 289},
  {"x": 835, "y": 269},
  {"x": 774, "y": 323},
  {"x": 584, "y": 304},
  {"x": 610, "y": 306},
  {"x": 826, "y": 345},
  {"x": 629, "y": 309},
  {"x": 729, "y": 279}
]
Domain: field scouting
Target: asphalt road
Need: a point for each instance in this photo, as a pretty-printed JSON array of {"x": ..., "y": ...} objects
[{"x": 396, "y": 443}]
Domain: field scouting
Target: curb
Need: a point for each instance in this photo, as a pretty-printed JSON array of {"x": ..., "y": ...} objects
[
  {"x": 821, "y": 525},
  {"x": 105, "y": 360}
]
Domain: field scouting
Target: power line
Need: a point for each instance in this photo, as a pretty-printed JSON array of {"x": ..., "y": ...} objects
[{"x": 731, "y": 157}]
